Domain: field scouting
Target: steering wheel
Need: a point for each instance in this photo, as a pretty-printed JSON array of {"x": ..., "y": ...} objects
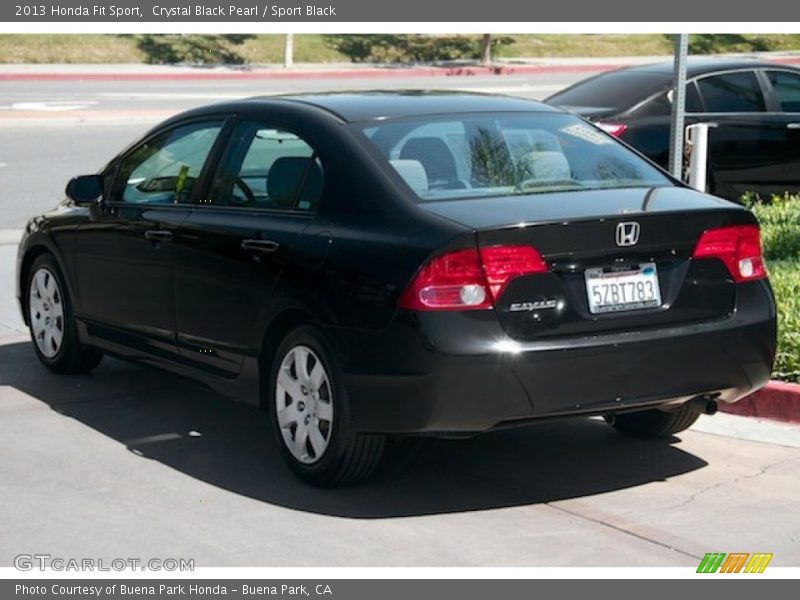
[{"x": 239, "y": 183}]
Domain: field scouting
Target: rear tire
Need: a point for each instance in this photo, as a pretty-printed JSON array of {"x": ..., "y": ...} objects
[
  {"x": 650, "y": 424},
  {"x": 311, "y": 415},
  {"x": 52, "y": 322}
]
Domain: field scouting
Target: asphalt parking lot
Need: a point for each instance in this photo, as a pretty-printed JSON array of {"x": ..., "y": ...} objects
[{"x": 130, "y": 462}]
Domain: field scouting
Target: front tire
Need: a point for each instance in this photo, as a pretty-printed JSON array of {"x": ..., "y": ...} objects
[
  {"x": 51, "y": 321},
  {"x": 311, "y": 415},
  {"x": 650, "y": 424}
]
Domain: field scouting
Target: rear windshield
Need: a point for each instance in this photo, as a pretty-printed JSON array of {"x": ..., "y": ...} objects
[
  {"x": 499, "y": 155},
  {"x": 620, "y": 90}
]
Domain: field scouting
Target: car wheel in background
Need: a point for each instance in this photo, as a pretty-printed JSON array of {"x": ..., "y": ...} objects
[{"x": 654, "y": 423}]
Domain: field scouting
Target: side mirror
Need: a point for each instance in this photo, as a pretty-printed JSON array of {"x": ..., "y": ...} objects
[{"x": 85, "y": 190}]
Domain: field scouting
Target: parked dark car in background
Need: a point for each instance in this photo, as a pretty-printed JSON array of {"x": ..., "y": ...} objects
[
  {"x": 373, "y": 264},
  {"x": 755, "y": 146}
]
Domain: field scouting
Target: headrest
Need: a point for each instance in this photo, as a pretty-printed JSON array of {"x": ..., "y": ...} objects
[
  {"x": 434, "y": 155},
  {"x": 548, "y": 165},
  {"x": 413, "y": 173},
  {"x": 284, "y": 178}
]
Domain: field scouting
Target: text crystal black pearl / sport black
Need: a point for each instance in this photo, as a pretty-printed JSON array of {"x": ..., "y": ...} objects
[{"x": 375, "y": 264}]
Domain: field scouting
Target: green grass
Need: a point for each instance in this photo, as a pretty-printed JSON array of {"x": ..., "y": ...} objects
[
  {"x": 97, "y": 49},
  {"x": 79, "y": 48},
  {"x": 538, "y": 46},
  {"x": 255, "y": 49}
]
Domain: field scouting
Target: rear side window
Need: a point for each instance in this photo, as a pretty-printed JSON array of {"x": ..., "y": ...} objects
[
  {"x": 619, "y": 89},
  {"x": 661, "y": 105},
  {"x": 268, "y": 168},
  {"x": 164, "y": 169},
  {"x": 787, "y": 89},
  {"x": 732, "y": 92},
  {"x": 501, "y": 154}
]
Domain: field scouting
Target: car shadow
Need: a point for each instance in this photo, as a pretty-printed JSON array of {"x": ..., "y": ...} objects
[{"x": 228, "y": 444}]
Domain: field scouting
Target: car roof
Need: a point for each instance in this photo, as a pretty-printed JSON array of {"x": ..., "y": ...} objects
[
  {"x": 371, "y": 105},
  {"x": 696, "y": 66}
]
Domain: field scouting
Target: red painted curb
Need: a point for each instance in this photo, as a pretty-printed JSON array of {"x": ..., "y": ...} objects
[
  {"x": 777, "y": 401},
  {"x": 276, "y": 74},
  {"x": 366, "y": 72}
]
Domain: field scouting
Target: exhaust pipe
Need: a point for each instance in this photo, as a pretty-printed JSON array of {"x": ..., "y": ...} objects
[{"x": 703, "y": 405}]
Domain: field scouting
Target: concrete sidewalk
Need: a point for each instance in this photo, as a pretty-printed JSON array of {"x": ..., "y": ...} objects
[{"x": 517, "y": 66}]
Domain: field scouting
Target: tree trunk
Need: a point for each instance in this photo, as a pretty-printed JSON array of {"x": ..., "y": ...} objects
[{"x": 486, "y": 49}]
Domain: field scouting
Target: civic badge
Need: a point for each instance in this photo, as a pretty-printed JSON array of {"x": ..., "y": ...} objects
[{"x": 627, "y": 233}]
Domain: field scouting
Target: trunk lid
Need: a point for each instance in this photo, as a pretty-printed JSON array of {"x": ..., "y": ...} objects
[{"x": 577, "y": 231}]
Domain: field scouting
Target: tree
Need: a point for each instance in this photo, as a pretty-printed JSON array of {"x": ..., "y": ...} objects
[{"x": 486, "y": 49}]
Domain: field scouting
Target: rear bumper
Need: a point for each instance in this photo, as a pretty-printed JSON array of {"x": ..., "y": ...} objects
[{"x": 459, "y": 372}]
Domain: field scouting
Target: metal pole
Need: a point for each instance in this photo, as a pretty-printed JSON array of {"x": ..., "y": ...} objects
[{"x": 678, "y": 106}]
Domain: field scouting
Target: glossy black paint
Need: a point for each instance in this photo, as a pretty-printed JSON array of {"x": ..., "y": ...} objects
[
  {"x": 748, "y": 151},
  {"x": 203, "y": 298}
]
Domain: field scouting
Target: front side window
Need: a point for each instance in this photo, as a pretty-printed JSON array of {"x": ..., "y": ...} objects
[
  {"x": 268, "y": 168},
  {"x": 732, "y": 92},
  {"x": 787, "y": 89},
  {"x": 502, "y": 154},
  {"x": 164, "y": 169}
]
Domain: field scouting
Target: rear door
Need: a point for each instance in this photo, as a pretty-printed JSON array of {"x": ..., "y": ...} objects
[
  {"x": 124, "y": 254},
  {"x": 238, "y": 241}
]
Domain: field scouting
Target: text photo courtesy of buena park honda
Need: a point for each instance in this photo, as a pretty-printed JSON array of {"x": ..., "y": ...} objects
[{"x": 372, "y": 299}]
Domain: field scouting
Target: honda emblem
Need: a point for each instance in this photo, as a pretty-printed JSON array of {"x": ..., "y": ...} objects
[{"x": 628, "y": 233}]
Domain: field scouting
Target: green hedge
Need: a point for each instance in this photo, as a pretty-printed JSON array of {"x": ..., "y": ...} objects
[
  {"x": 405, "y": 48},
  {"x": 780, "y": 238},
  {"x": 785, "y": 278},
  {"x": 780, "y": 225}
]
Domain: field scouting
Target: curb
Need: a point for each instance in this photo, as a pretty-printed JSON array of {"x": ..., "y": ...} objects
[
  {"x": 10, "y": 236},
  {"x": 777, "y": 401}
]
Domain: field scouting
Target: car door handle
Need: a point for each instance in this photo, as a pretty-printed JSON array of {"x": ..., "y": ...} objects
[
  {"x": 793, "y": 126},
  {"x": 260, "y": 246},
  {"x": 156, "y": 235}
]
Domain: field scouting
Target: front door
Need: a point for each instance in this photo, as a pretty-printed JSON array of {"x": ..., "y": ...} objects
[{"x": 124, "y": 254}]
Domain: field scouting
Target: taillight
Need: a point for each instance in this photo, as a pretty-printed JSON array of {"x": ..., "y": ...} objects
[
  {"x": 738, "y": 246},
  {"x": 469, "y": 279},
  {"x": 615, "y": 129}
]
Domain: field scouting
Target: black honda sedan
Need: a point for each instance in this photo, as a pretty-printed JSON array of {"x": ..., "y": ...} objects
[
  {"x": 754, "y": 145},
  {"x": 374, "y": 264}
]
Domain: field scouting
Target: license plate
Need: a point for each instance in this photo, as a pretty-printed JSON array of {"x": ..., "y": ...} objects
[{"x": 617, "y": 291}]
